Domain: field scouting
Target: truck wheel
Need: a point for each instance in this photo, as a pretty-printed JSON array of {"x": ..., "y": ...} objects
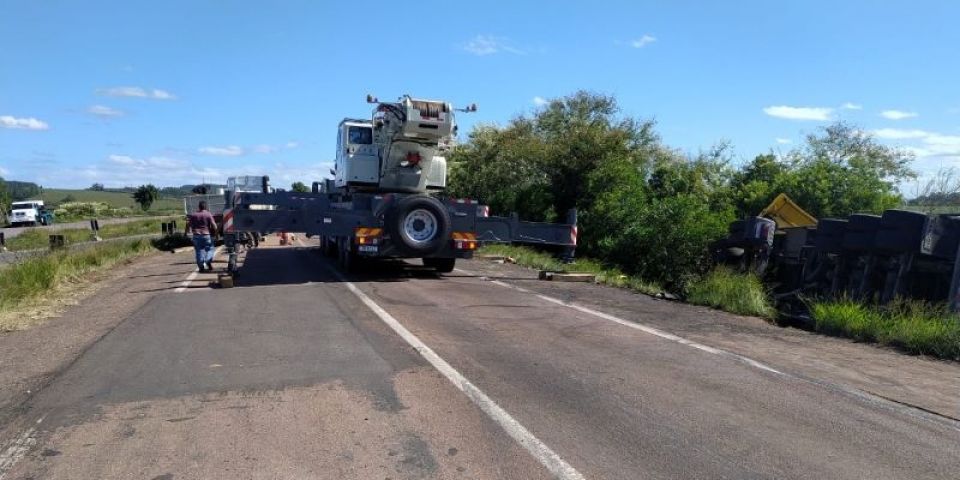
[
  {"x": 442, "y": 265},
  {"x": 419, "y": 224},
  {"x": 327, "y": 246},
  {"x": 347, "y": 259}
]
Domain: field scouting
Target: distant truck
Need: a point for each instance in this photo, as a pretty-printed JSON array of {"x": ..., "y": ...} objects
[
  {"x": 215, "y": 205},
  {"x": 29, "y": 213}
]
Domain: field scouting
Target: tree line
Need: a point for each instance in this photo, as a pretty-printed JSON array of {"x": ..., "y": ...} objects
[{"x": 650, "y": 209}]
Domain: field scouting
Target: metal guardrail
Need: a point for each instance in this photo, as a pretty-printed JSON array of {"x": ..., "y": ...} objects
[{"x": 15, "y": 257}]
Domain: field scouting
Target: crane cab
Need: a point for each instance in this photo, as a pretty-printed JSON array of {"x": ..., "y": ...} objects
[{"x": 357, "y": 162}]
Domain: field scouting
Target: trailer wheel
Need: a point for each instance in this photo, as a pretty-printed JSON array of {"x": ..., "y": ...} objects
[
  {"x": 347, "y": 259},
  {"x": 442, "y": 265},
  {"x": 419, "y": 224},
  {"x": 327, "y": 246}
]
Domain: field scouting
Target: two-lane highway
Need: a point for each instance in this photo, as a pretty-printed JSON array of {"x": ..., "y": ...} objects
[{"x": 299, "y": 372}]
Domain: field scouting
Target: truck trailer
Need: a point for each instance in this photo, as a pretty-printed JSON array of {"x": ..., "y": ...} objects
[{"x": 386, "y": 198}]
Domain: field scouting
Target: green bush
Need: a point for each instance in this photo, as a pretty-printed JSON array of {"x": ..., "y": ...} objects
[
  {"x": 742, "y": 294},
  {"x": 69, "y": 211},
  {"x": 913, "y": 326},
  {"x": 649, "y": 210}
]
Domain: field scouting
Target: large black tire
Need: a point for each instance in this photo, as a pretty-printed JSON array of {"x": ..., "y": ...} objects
[
  {"x": 442, "y": 265},
  {"x": 327, "y": 246},
  {"x": 347, "y": 259},
  {"x": 418, "y": 225},
  {"x": 829, "y": 237}
]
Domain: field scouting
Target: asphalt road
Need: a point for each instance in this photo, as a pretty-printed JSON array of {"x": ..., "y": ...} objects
[{"x": 299, "y": 373}]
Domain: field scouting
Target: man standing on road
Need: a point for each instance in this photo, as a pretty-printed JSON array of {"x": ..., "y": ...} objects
[{"x": 202, "y": 225}]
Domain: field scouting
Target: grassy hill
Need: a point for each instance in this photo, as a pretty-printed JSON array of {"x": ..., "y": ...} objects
[{"x": 56, "y": 196}]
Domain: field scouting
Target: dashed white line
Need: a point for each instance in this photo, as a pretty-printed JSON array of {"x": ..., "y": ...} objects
[
  {"x": 193, "y": 275},
  {"x": 543, "y": 453},
  {"x": 848, "y": 390},
  {"x": 637, "y": 326}
]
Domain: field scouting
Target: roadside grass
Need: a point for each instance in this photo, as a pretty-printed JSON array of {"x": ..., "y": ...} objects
[
  {"x": 913, "y": 326},
  {"x": 528, "y": 257},
  {"x": 738, "y": 293},
  {"x": 118, "y": 200},
  {"x": 41, "y": 279},
  {"x": 40, "y": 237},
  {"x": 721, "y": 289}
]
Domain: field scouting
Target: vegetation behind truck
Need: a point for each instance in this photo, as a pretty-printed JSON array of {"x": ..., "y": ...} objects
[{"x": 386, "y": 198}]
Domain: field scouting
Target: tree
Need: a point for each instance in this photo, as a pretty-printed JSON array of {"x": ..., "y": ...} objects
[
  {"x": 4, "y": 199},
  {"x": 200, "y": 189},
  {"x": 642, "y": 206},
  {"x": 145, "y": 195},
  {"x": 23, "y": 190},
  {"x": 96, "y": 187},
  {"x": 299, "y": 187}
]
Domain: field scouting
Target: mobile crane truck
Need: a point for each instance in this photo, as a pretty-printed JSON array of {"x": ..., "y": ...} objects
[{"x": 386, "y": 198}]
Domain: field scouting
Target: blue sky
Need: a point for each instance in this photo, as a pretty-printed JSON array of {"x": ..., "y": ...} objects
[{"x": 174, "y": 92}]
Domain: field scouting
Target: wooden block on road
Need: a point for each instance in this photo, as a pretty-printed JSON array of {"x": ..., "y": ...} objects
[
  {"x": 226, "y": 280},
  {"x": 567, "y": 277}
]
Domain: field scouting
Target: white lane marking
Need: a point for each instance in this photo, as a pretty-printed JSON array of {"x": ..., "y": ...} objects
[
  {"x": 186, "y": 282},
  {"x": 547, "y": 457},
  {"x": 17, "y": 449},
  {"x": 636, "y": 326},
  {"x": 661, "y": 334},
  {"x": 863, "y": 395},
  {"x": 193, "y": 275}
]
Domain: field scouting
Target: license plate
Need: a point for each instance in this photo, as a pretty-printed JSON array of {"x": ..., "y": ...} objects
[{"x": 368, "y": 248}]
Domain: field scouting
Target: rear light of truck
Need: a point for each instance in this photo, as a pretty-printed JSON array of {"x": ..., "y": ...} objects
[
  {"x": 464, "y": 241},
  {"x": 367, "y": 236}
]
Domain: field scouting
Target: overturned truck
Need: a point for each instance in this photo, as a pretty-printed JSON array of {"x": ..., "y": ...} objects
[
  {"x": 870, "y": 258},
  {"x": 386, "y": 199}
]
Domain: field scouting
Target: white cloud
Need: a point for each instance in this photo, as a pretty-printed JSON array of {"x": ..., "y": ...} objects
[
  {"x": 127, "y": 170},
  {"x": 851, "y": 106},
  {"x": 540, "y": 101},
  {"x": 162, "y": 95},
  {"x": 897, "y": 134},
  {"x": 932, "y": 144},
  {"x": 104, "y": 111},
  {"x": 293, "y": 144},
  {"x": 799, "y": 113},
  {"x": 227, "y": 151},
  {"x": 784, "y": 141},
  {"x": 488, "y": 45},
  {"x": 4, "y": 172},
  {"x": 137, "y": 92},
  {"x": 264, "y": 149},
  {"x": 643, "y": 41},
  {"x": 897, "y": 114},
  {"x": 7, "y": 121}
]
